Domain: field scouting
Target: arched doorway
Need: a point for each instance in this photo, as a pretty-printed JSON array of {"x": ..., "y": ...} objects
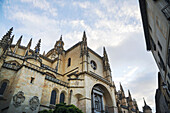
[{"x": 101, "y": 100}]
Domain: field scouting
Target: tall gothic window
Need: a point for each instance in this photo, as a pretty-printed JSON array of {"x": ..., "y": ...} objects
[
  {"x": 69, "y": 62},
  {"x": 3, "y": 87},
  {"x": 62, "y": 98},
  {"x": 53, "y": 97}
]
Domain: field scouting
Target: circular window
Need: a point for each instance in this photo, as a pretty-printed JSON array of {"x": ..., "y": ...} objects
[{"x": 93, "y": 64}]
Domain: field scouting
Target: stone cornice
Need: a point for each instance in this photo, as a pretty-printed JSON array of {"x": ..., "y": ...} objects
[{"x": 98, "y": 77}]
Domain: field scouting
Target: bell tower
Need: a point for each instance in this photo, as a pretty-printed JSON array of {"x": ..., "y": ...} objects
[
  {"x": 106, "y": 66},
  {"x": 59, "y": 46}
]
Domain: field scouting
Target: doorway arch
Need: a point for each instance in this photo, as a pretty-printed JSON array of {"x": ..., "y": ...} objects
[{"x": 101, "y": 100}]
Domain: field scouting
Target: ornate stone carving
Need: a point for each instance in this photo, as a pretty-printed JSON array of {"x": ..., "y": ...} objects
[
  {"x": 34, "y": 103},
  {"x": 18, "y": 99}
]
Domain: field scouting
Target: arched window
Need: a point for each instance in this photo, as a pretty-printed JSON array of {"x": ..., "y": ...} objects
[
  {"x": 53, "y": 97},
  {"x": 69, "y": 62},
  {"x": 3, "y": 87},
  {"x": 62, "y": 98}
]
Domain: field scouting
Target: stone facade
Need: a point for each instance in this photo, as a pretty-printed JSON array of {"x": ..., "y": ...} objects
[
  {"x": 31, "y": 82},
  {"x": 126, "y": 104},
  {"x": 156, "y": 23}
]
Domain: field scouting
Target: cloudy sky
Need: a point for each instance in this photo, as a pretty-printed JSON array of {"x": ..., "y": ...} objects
[{"x": 115, "y": 24}]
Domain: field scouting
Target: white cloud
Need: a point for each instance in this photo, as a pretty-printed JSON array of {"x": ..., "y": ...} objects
[
  {"x": 83, "y": 5},
  {"x": 43, "y": 5}
]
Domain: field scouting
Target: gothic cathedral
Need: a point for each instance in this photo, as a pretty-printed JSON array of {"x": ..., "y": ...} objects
[{"x": 31, "y": 82}]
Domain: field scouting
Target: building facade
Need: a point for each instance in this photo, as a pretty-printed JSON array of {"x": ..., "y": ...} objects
[
  {"x": 156, "y": 23},
  {"x": 30, "y": 82}
]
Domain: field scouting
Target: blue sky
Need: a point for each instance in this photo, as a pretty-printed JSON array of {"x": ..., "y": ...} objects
[{"x": 115, "y": 24}]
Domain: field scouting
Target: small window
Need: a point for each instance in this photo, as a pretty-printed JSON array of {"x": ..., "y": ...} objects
[
  {"x": 62, "y": 98},
  {"x": 53, "y": 97},
  {"x": 32, "y": 80},
  {"x": 3, "y": 87},
  {"x": 69, "y": 62},
  {"x": 93, "y": 64}
]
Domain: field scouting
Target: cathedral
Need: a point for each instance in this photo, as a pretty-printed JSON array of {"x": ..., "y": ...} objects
[{"x": 31, "y": 82}]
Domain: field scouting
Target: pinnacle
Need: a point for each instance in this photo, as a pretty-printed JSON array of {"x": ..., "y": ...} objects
[
  {"x": 29, "y": 44},
  {"x": 144, "y": 101},
  {"x": 84, "y": 36},
  {"x": 61, "y": 37}
]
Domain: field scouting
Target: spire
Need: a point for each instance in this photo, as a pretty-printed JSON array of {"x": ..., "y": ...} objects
[
  {"x": 28, "y": 47},
  {"x": 146, "y": 107},
  {"x": 59, "y": 43},
  {"x": 61, "y": 38},
  {"x": 121, "y": 88},
  {"x": 144, "y": 102},
  {"x": 19, "y": 41},
  {"x": 84, "y": 48},
  {"x": 29, "y": 44},
  {"x": 122, "y": 91},
  {"x": 11, "y": 40},
  {"x": 84, "y": 37},
  {"x": 105, "y": 54},
  {"x": 7, "y": 36},
  {"x": 130, "y": 98},
  {"x": 37, "y": 47},
  {"x": 44, "y": 53}
]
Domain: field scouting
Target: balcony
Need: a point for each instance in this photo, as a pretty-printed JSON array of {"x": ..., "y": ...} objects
[{"x": 166, "y": 11}]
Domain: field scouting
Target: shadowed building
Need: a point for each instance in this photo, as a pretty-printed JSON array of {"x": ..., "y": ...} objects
[{"x": 156, "y": 23}]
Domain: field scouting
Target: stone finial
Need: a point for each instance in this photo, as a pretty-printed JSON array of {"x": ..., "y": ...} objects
[
  {"x": 130, "y": 98},
  {"x": 105, "y": 54},
  {"x": 122, "y": 91},
  {"x": 146, "y": 107},
  {"x": 19, "y": 41},
  {"x": 44, "y": 53},
  {"x": 61, "y": 37},
  {"x": 144, "y": 101},
  {"x": 84, "y": 37},
  {"x": 37, "y": 47},
  {"x": 29, "y": 44}
]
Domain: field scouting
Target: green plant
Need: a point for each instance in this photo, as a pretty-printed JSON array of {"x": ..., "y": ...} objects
[{"x": 63, "y": 108}]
